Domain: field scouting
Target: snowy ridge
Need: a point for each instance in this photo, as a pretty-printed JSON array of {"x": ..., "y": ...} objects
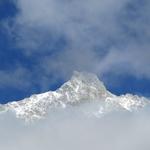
[{"x": 81, "y": 88}]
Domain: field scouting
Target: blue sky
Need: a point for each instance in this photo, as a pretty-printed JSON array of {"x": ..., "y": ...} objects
[{"x": 43, "y": 42}]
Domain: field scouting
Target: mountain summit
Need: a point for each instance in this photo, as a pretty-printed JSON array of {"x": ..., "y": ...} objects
[{"x": 81, "y": 88}]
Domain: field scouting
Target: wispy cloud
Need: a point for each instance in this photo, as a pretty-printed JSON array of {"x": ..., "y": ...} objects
[
  {"x": 14, "y": 78},
  {"x": 96, "y": 36}
]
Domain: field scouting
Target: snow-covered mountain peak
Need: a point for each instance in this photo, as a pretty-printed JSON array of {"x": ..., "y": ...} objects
[
  {"x": 83, "y": 85},
  {"x": 86, "y": 78},
  {"x": 80, "y": 89}
]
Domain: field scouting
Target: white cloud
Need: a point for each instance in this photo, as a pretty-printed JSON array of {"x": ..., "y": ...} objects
[
  {"x": 15, "y": 78},
  {"x": 67, "y": 129},
  {"x": 102, "y": 36},
  {"x": 133, "y": 60}
]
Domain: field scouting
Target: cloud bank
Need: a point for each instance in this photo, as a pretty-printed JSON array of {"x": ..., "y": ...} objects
[{"x": 68, "y": 129}]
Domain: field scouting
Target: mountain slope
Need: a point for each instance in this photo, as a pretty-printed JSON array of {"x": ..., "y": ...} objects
[{"x": 80, "y": 89}]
